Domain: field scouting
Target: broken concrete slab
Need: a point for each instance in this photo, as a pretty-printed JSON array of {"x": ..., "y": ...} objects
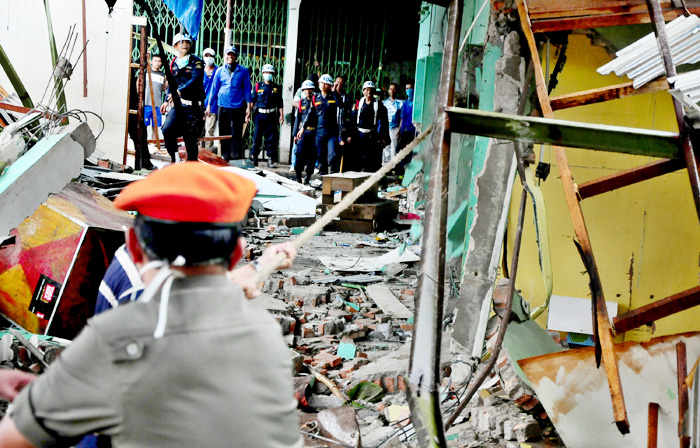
[
  {"x": 385, "y": 299},
  {"x": 338, "y": 425},
  {"x": 278, "y": 197},
  {"x": 368, "y": 264},
  {"x": 54, "y": 160}
]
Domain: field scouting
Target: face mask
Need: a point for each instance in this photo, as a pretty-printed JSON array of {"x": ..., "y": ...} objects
[
  {"x": 409, "y": 93},
  {"x": 182, "y": 62},
  {"x": 209, "y": 60},
  {"x": 267, "y": 77}
]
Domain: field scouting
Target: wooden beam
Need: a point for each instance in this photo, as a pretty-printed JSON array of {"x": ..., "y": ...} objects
[
  {"x": 628, "y": 177},
  {"x": 201, "y": 139},
  {"x": 600, "y": 137},
  {"x": 601, "y": 318},
  {"x": 653, "y": 425},
  {"x": 682, "y": 373},
  {"x": 601, "y": 21},
  {"x": 657, "y": 310},
  {"x": 605, "y": 94}
]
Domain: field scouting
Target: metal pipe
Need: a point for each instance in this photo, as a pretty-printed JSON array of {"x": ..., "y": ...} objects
[
  {"x": 424, "y": 370},
  {"x": 85, "y": 80},
  {"x": 504, "y": 319}
]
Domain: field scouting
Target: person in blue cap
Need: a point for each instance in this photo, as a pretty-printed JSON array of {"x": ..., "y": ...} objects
[{"x": 232, "y": 89}]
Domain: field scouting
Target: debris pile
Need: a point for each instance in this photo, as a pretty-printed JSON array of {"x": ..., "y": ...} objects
[{"x": 347, "y": 316}]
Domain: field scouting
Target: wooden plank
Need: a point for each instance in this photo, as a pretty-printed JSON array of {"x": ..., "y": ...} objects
[
  {"x": 201, "y": 139},
  {"x": 385, "y": 299},
  {"x": 641, "y": 142},
  {"x": 682, "y": 374},
  {"x": 603, "y": 323},
  {"x": 605, "y": 94},
  {"x": 561, "y": 15},
  {"x": 653, "y": 425},
  {"x": 657, "y": 310},
  {"x": 601, "y": 21},
  {"x": 628, "y": 177},
  {"x": 366, "y": 211},
  {"x": 350, "y": 226}
]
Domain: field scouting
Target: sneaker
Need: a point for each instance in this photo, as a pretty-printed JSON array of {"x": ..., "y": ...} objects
[
  {"x": 316, "y": 171},
  {"x": 291, "y": 169},
  {"x": 271, "y": 164}
]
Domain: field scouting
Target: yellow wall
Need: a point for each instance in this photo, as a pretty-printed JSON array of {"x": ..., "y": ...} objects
[{"x": 646, "y": 237}]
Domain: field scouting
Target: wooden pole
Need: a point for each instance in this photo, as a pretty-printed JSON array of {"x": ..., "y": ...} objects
[
  {"x": 653, "y": 425},
  {"x": 128, "y": 95},
  {"x": 140, "y": 87},
  {"x": 153, "y": 107},
  {"x": 682, "y": 371}
]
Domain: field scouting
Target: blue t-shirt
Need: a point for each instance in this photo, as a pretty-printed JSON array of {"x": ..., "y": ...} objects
[{"x": 231, "y": 89}]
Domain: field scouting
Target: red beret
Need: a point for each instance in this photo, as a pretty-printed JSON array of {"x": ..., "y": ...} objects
[{"x": 190, "y": 192}]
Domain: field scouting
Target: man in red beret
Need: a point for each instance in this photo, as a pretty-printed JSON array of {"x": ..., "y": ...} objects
[{"x": 192, "y": 363}]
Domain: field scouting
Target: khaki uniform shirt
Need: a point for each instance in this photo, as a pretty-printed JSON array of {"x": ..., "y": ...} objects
[{"x": 221, "y": 376}]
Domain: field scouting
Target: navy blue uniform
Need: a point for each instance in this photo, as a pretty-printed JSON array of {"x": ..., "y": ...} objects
[
  {"x": 371, "y": 133},
  {"x": 327, "y": 132},
  {"x": 306, "y": 147},
  {"x": 190, "y": 83},
  {"x": 267, "y": 99}
]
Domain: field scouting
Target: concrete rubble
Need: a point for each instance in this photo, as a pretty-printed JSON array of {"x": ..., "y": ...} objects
[{"x": 336, "y": 330}]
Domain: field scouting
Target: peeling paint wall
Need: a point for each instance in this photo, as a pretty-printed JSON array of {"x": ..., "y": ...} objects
[{"x": 645, "y": 237}]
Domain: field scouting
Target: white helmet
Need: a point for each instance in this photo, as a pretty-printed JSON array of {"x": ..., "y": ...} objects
[
  {"x": 326, "y": 79},
  {"x": 180, "y": 37},
  {"x": 307, "y": 85},
  {"x": 368, "y": 85},
  {"x": 268, "y": 68}
]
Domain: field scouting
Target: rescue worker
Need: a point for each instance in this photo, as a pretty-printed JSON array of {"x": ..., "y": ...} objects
[
  {"x": 344, "y": 111},
  {"x": 326, "y": 104},
  {"x": 305, "y": 128},
  {"x": 188, "y": 71},
  {"x": 371, "y": 132},
  {"x": 210, "y": 121},
  {"x": 173, "y": 368},
  {"x": 233, "y": 94},
  {"x": 393, "y": 109},
  {"x": 269, "y": 114}
]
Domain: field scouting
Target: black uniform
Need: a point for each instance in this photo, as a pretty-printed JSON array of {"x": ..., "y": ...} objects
[
  {"x": 268, "y": 102},
  {"x": 371, "y": 133},
  {"x": 306, "y": 147},
  {"x": 327, "y": 132},
  {"x": 190, "y": 83}
]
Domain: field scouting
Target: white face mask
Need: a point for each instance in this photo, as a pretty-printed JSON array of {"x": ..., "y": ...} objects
[
  {"x": 267, "y": 77},
  {"x": 209, "y": 60}
]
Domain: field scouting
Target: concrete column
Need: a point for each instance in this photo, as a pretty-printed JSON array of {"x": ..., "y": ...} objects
[{"x": 288, "y": 88}]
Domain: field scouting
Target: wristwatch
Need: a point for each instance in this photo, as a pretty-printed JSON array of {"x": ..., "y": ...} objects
[{"x": 256, "y": 264}]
